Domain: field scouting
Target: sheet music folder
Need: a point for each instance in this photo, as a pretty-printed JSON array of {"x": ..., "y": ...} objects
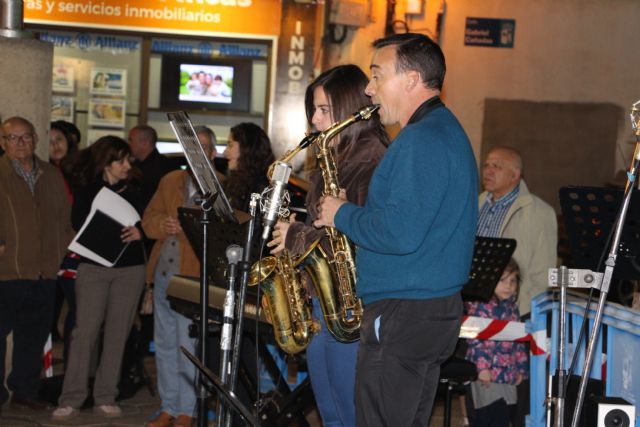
[
  {"x": 102, "y": 236},
  {"x": 490, "y": 256}
]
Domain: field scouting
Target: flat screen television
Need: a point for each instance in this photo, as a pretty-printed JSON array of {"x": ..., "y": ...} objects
[{"x": 194, "y": 83}]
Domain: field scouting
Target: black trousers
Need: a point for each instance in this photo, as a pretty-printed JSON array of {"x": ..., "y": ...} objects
[
  {"x": 497, "y": 414},
  {"x": 402, "y": 345},
  {"x": 26, "y": 308}
]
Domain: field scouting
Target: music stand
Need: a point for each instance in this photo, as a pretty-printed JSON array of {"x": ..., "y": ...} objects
[
  {"x": 229, "y": 396},
  {"x": 200, "y": 164},
  {"x": 213, "y": 197},
  {"x": 589, "y": 215},
  {"x": 221, "y": 235},
  {"x": 490, "y": 256}
]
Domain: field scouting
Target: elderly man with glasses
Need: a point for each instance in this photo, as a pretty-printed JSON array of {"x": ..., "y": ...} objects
[{"x": 35, "y": 230}]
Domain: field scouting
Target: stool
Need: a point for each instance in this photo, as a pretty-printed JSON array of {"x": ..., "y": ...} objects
[{"x": 454, "y": 373}]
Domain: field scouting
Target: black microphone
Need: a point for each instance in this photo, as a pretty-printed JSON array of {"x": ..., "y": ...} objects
[{"x": 274, "y": 196}]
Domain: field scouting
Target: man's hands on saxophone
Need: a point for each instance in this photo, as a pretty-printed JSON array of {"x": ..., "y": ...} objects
[
  {"x": 328, "y": 207},
  {"x": 279, "y": 234}
]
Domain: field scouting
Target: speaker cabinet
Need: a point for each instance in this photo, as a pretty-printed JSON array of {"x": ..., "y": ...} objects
[{"x": 611, "y": 412}]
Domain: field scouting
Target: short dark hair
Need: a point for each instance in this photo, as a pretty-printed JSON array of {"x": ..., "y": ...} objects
[
  {"x": 419, "y": 53},
  {"x": 71, "y": 129},
  {"x": 147, "y": 132},
  {"x": 68, "y": 133}
]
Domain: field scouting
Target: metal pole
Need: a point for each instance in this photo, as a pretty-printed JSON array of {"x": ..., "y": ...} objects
[
  {"x": 204, "y": 305},
  {"x": 563, "y": 276},
  {"x": 244, "y": 271}
]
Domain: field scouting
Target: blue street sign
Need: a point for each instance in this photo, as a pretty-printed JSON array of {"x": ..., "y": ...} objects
[{"x": 489, "y": 32}]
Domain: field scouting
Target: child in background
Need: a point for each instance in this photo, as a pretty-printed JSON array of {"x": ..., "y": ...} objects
[{"x": 502, "y": 365}]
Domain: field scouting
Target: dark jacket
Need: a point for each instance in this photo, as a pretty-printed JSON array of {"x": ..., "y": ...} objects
[{"x": 153, "y": 168}]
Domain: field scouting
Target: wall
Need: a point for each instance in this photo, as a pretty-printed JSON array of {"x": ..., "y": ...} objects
[
  {"x": 26, "y": 85},
  {"x": 565, "y": 51}
]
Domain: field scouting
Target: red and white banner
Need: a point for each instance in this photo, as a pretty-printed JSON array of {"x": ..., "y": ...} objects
[{"x": 481, "y": 328}]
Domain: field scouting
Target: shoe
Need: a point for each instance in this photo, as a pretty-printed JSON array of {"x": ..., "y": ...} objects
[
  {"x": 108, "y": 411},
  {"x": 31, "y": 404},
  {"x": 183, "y": 421},
  {"x": 64, "y": 413},
  {"x": 163, "y": 419}
]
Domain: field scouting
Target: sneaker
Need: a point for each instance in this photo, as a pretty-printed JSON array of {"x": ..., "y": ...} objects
[
  {"x": 108, "y": 411},
  {"x": 63, "y": 413}
]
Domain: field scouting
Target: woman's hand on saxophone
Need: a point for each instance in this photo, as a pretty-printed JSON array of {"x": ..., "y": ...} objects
[
  {"x": 328, "y": 207},
  {"x": 279, "y": 234}
]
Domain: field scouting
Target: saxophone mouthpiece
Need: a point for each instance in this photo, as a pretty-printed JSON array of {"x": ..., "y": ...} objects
[
  {"x": 366, "y": 112},
  {"x": 308, "y": 140}
]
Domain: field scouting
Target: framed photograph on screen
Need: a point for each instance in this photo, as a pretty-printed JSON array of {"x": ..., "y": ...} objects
[
  {"x": 63, "y": 78},
  {"x": 108, "y": 81},
  {"x": 107, "y": 112},
  {"x": 62, "y": 108}
]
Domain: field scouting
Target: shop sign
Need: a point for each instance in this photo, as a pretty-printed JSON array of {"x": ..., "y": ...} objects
[
  {"x": 296, "y": 50},
  {"x": 86, "y": 41},
  {"x": 208, "y": 49},
  {"x": 256, "y": 17},
  {"x": 489, "y": 32}
]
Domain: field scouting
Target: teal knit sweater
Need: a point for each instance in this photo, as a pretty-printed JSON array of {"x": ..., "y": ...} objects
[{"x": 416, "y": 231}]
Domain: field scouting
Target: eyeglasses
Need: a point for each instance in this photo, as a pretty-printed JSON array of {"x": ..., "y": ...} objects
[{"x": 27, "y": 138}]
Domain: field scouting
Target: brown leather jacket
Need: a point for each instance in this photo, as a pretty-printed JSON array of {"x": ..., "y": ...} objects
[
  {"x": 356, "y": 164},
  {"x": 165, "y": 203},
  {"x": 36, "y": 229}
]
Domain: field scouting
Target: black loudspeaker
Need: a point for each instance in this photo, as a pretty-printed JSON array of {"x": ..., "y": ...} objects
[
  {"x": 611, "y": 412},
  {"x": 594, "y": 390}
]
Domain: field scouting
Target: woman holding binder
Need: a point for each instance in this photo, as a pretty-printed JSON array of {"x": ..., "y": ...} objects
[{"x": 108, "y": 294}]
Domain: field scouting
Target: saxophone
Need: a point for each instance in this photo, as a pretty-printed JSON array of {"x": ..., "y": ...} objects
[
  {"x": 285, "y": 298},
  {"x": 285, "y": 301},
  {"x": 334, "y": 278}
]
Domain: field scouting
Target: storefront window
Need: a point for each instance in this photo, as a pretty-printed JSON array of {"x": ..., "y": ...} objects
[{"x": 96, "y": 81}]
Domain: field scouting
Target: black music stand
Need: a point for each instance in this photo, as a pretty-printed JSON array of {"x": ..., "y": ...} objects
[
  {"x": 228, "y": 396},
  {"x": 221, "y": 234},
  {"x": 490, "y": 256},
  {"x": 213, "y": 198},
  {"x": 589, "y": 215}
]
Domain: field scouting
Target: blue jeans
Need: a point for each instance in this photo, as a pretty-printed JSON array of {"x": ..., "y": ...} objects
[
  {"x": 332, "y": 371},
  {"x": 176, "y": 374}
]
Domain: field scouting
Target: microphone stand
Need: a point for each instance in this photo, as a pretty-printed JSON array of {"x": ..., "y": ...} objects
[
  {"x": 563, "y": 276},
  {"x": 206, "y": 203},
  {"x": 244, "y": 278},
  {"x": 610, "y": 264},
  {"x": 234, "y": 253}
]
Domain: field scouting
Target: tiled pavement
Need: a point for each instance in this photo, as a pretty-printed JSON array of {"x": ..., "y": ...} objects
[{"x": 136, "y": 410}]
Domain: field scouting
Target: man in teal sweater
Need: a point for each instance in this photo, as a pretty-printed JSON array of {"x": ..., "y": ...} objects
[{"x": 414, "y": 236}]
